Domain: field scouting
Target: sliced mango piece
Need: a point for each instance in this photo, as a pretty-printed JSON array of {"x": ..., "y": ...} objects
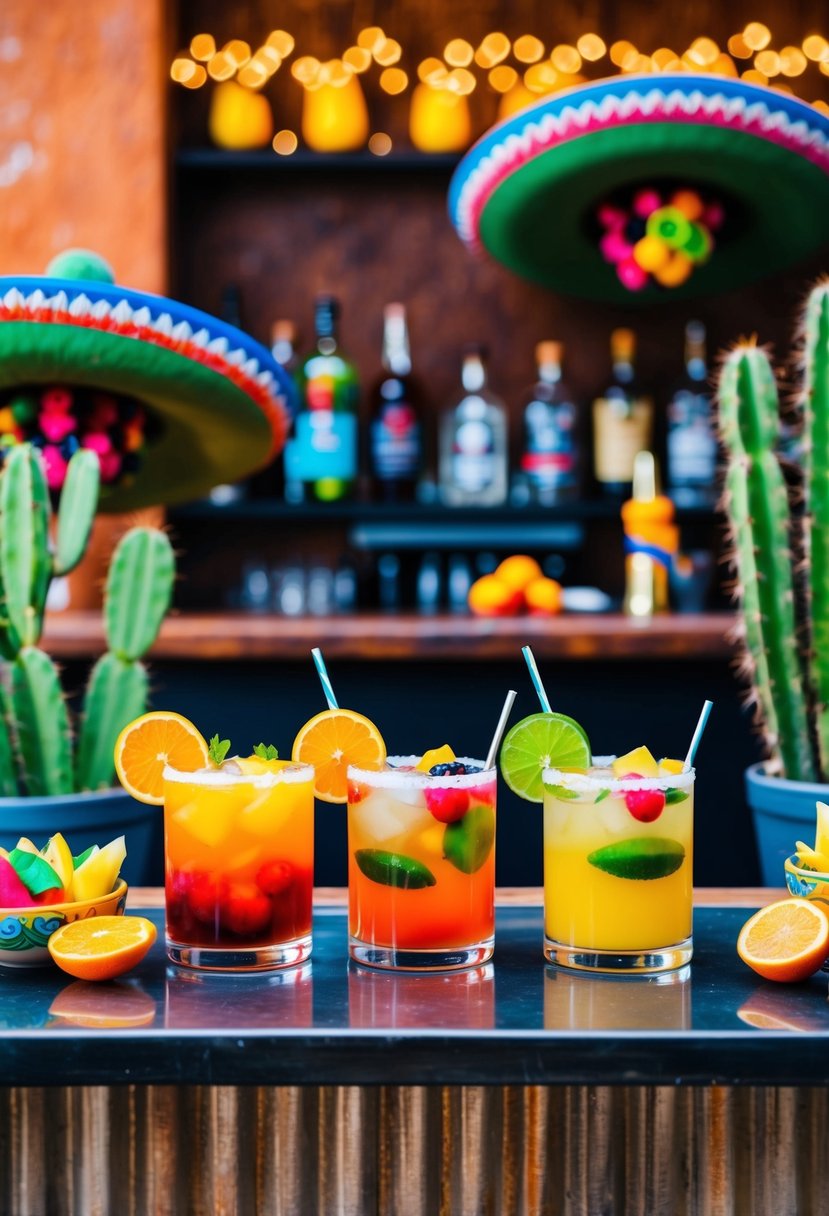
[
  {"x": 671, "y": 766},
  {"x": 26, "y": 846},
  {"x": 811, "y": 858},
  {"x": 638, "y": 761},
  {"x": 435, "y": 755},
  {"x": 431, "y": 839},
  {"x": 255, "y": 766},
  {"x": 822, "y": 833},
  {"x": 98, "y": 874},
  {"x": 59, "y": 856},
  {"x": 208, "y": 827}
]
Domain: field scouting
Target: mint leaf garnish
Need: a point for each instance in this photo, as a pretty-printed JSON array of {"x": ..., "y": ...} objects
[
  {"x": 266, "y": 751},
  {"x": 217, "y": 749}
]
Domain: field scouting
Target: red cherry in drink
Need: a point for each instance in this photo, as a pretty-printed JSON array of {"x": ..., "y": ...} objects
[
  {"x": 246, "y": 910},
  {"x": 447, "y": 805},
  {"x": 644, "y": 805},
  {"x": 204, "y": 897},
  {"x": 274, "y": 877}
]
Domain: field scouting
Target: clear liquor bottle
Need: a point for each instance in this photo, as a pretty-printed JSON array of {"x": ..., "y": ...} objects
[
  {"x": 395, "y": 428},
  {"x": 322, "y": 453},
  {"x": 551, "y": 459},
  {"x": 473, "y": 464},
  {"x": 691, "y": 438}
]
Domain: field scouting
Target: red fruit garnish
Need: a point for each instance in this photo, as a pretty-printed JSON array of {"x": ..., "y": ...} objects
[
  {"x": 246, "y": 910},
  {"x": 54, "y": 896},
  {"x": 447, "y": 805},
  {"x": 204, "y": 896},
  {"x": 644, "y": 805},
  {"x": 274, "y": 877},
  {"x": 357, "y": 792}
]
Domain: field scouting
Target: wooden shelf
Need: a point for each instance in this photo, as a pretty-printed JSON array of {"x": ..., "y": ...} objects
[
  {"x": 265, "y": 160},
  {"x": 373, "y": 636}
]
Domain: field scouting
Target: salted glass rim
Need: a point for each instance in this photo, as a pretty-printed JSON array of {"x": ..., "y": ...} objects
[
  {"x": 593, "y": 782},
  {"x": 390, "y": 778},
  {"x": 294, "y": 774}
]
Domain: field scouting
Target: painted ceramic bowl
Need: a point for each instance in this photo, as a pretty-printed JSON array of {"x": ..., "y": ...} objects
[
  {"x": 809, "y": 884},
  {"x": 24, "y": 932}
]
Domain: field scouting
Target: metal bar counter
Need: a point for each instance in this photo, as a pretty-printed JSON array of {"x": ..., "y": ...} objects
[
  {"x": 514, "y": 1021},
  {"x": 506, "y": 1090}
]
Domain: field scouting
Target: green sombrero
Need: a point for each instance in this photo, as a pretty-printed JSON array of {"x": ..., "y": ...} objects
[
  {"x": 529, "y": 191},
  {"x": 216, "y": 400}
]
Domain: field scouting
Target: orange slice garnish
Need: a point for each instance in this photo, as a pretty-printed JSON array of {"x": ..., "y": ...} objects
[
  {"x": 101, "y": 947},
  {"x": 786, "y": 941},
  {"x": 150, "y": 742},
  {"x": 330, "y": 742}
]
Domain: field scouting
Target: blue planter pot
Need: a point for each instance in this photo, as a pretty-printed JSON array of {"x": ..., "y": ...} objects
[
  {"x": 86, "y": 819},
  {"x": 784, "y": 812}
]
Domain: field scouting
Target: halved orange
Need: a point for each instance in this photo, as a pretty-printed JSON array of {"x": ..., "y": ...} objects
[
  {"x": 785, "y": 941},
  {"x": 101, "y": 947},
  {"x": 331, "y": 741},
  {"x": 148, "y": 743}
]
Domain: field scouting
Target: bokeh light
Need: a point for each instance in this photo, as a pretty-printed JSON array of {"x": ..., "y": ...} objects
[
  {"x": 528, "y": 48},
  {"x": 285, "y": 142}
]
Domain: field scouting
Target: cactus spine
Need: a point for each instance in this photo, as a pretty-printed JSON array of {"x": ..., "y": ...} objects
[
  {"x": 785, "y": 620},
  {"x": 35, "y": 728}
]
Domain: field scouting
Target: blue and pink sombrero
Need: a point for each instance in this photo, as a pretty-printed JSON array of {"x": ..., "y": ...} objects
[{"x": 536, "y": 189}]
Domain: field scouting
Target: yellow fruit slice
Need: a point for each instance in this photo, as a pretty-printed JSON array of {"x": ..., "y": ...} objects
[
  {"x": 435, "y": 755},
  {"x": 671, "y": 766},
  {"x": 149, "y": 743},
  {"x": 26, "y": 846},
  {"x": 785, "y": 941},
  {"x": 330, "y": 742},
  {"x": 97, "y": 875},
  {"x": 638, "y": 761},
  {"x": 101, "y": 947},
  {"x": 59, "y": 856},
  {"x": 255, "y": 766},
  {"x": 811, "y": 858},
  {"x": 822, "y": 832}
]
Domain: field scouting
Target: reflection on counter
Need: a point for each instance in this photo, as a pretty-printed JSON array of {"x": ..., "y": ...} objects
[
  {"x": 283, "y": 998},
  {"x": 610, "y": 1002},
  {"x": 406, "y": 1000}
]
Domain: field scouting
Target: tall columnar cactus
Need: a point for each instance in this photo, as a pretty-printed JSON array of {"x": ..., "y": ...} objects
[
  {"x": 36, "y": 738},
  {"x": 786, "y": 616}
]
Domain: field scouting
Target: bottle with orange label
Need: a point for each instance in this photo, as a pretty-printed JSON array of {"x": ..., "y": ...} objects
[{"x": 651, "y": 542}]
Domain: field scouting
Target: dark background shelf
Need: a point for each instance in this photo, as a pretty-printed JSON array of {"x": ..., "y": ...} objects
[{"x": 218, "y": 160}]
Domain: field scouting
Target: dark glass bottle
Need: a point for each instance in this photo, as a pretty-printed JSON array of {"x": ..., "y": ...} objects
[
  {"x": 321, "y": 455},
  {"x": 691, "y": 439},
  {"x": 551, "y": 457},
  {"x": 395, "y": 428}
]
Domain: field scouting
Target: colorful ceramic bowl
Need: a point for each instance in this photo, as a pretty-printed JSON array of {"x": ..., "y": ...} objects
[
  {"x": 24, "y": 932},
  {"x": 809, "y": 884}
]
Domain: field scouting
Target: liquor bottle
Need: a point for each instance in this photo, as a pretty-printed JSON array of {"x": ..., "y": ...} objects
[
  {"x": 395, "y": 429},
  {"x": 473, "y": 442},
  {"x": 691, "y": 439},
  {"x": 622, "y": 419},
  {"x": 321, "y": 455},
  {"x": 551, "y": 458}
]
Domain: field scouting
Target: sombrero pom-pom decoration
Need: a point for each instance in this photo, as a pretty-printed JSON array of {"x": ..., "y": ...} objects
[
  {"x": 565, "y": 191},
  {"x": 172, "y": 400}
]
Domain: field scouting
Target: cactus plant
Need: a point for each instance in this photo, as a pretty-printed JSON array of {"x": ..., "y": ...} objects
[
  {"x": 36, "y": 735},
  {"x": 780, "y": 540}
]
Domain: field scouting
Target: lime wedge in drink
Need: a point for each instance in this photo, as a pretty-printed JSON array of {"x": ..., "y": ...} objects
[
  {"x": 538, "y": 742},
  {"x": 645, "y": 857}
]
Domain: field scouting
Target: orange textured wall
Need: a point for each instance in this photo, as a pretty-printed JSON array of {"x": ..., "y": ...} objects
[{"x": 82, "y": 145}]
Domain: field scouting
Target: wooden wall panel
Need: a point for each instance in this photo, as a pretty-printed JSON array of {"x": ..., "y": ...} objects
[{"x": 82, "y": 146}]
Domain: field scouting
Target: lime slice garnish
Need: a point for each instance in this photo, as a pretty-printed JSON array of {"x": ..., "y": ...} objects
[
  {"x": 538, "y": 742},
  {"x": 394, "y": 869},
  {"x": 645, "y": 857}
]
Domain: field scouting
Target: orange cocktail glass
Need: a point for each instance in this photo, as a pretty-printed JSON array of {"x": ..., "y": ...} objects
[
  {"x": 421, "y": 866},
  {"x": 239, "y": 860}
]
